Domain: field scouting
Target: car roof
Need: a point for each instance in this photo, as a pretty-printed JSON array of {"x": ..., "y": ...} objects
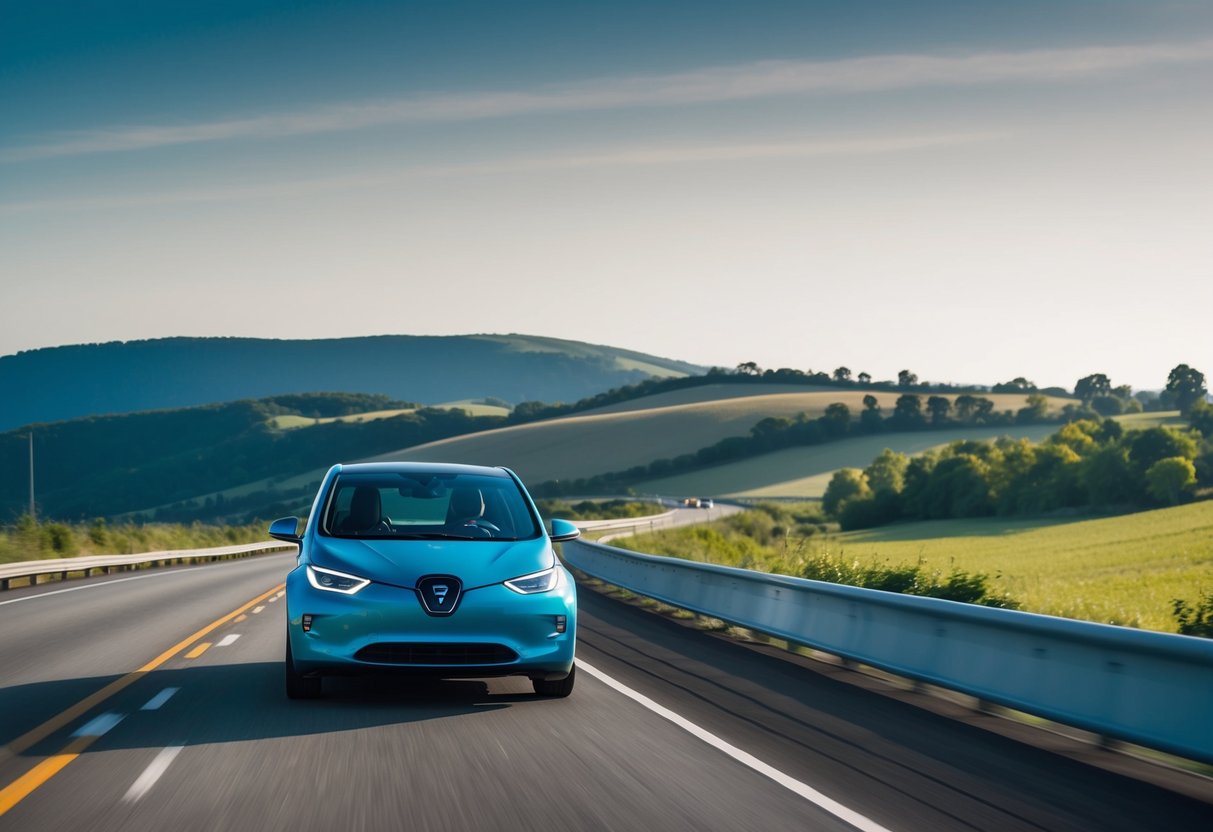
[{"x": 404, "y": 467}]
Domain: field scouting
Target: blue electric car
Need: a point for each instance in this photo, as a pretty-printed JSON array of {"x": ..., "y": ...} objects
[{"x": 433, "y": 569}]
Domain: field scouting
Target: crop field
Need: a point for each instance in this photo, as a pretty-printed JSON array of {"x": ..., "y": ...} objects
[{"x": 1117, "y": 570}]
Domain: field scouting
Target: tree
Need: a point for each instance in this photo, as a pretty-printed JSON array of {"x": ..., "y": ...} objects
[
  {"x": 748, "y": 368},
  {"x": 1200, "y": 416},
  {"x": 938, "y": 407},
  {"x": 1187, "y": 386},
  {"x": 1019, "y": 384},
  {"x": 870, "y": 420},
  {"x": 837, "y": 419},
  {"x": 887, "y": 472},
  {"x": 907, "y": 412},
  {"x": 1088, "y": 387},
  {"x": 1169, "y": 478},
  {"x": 1147, "y": 447},
  {"x": 846, "y": 484},
  {"x": 842, "y": 374},
  {"x": 1036, "y": 410},
  {"x": 965, "y": 405},
  {"x": 865, "y": 378},
  {"x": 906, "y": 379}
]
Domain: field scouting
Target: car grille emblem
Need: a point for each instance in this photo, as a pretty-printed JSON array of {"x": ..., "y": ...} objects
[{"x": 439, "y": 594}]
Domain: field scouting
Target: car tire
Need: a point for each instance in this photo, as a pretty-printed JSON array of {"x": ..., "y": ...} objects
[
  {"x": 299, "y": 686},
  {"x": 558, "y": 688}
]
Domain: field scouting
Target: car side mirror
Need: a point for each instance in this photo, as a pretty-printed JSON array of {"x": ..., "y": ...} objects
[
  {"x": 564, "y": 530},
  {"x": 285, "y": 529}
]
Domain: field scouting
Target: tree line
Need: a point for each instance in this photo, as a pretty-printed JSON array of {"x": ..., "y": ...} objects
[
  {"x": 1087, "y": 464},
  {"x": 909, "y": 413}
]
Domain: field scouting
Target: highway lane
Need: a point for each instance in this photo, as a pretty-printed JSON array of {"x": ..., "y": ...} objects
[{"x": 225, "y": 749}]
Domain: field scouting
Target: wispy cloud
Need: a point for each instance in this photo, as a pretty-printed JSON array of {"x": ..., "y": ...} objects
[
  {"x": 607, "y": 158},
  {"x": 763, "y": 79}
]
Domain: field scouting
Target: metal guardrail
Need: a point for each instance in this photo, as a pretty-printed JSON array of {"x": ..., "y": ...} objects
[
  {"x": 105, "y": 564},
  {"x": 649, "y": 521},
  {"x": 1149, "y": 688}
]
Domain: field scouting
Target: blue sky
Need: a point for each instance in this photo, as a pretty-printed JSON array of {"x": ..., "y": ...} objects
[{"x": 972, "y": 190}]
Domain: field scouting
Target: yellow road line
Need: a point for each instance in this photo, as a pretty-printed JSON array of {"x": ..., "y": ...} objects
[
  {"x": 19, "y": 789},
  {"x": 198, "y": 651},
  {"x": 53, "y": 724}
]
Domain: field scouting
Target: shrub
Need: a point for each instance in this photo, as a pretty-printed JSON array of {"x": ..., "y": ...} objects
[{"x": 1194, "y": 621}]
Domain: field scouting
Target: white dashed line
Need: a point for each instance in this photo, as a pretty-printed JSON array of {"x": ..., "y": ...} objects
[
  {"x": 99, "y": 725},
  {"x": 272, "y": 600},
  {"x": 788, "y": 782},
  {"x": 159, "y": 699},
  {"x": 228, "y": 639},
  {"x": 256, "y": 610},
  {"x": 152, "y": 773}
]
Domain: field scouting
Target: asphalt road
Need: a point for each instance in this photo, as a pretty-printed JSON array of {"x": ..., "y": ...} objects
[{"x": 748, "y": 739}]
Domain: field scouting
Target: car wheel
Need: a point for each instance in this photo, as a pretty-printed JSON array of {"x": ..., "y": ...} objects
[
  {"x": 299, "y": 686},
  {"x": 560, "y": 687}
]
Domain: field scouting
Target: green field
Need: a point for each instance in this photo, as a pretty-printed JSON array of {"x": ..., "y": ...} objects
[{"x": 1118, "y": 570}]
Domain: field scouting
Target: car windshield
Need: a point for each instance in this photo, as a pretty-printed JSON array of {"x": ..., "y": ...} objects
[{"x": 427, "y": 506}]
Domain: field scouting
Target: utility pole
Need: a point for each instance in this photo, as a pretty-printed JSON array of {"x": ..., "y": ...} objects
[{"x": 32, "y": 512}]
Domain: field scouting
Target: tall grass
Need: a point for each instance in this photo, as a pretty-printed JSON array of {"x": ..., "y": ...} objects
[{"x": 27, "y": 540}]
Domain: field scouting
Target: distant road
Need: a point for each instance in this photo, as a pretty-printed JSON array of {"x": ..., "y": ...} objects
[{"x": 748, "y": 739}]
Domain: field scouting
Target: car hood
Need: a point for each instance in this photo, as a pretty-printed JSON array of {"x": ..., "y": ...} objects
[{"x": 403, "y": 562}]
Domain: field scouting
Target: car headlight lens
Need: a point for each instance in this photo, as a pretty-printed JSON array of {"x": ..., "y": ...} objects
[
  {"x": 543, "y": 581},
  {"x": 331, "y": 580}
]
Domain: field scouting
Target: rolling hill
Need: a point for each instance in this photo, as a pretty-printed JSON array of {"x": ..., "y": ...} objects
[
  {"x": 639, "y": 431},
  {"x": 61, "y": 383}
]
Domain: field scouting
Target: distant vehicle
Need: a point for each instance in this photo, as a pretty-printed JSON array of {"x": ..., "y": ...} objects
[
  {"x": 691, "y": 502},
  {"x": 705, "y": 502},
  {"x": 442, "y": 570}
]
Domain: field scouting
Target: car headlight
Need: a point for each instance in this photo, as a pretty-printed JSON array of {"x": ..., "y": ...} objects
[
  {"x": 543, "y": 581},
  {"x": 331, "y": 580}
]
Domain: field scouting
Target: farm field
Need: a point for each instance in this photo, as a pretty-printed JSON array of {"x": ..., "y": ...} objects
[{"x": 1118, "y": 570}]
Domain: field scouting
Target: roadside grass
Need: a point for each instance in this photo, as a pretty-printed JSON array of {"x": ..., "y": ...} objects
[
  {"x": 28, "y": 541},
  {"x": 1117, "y": 570}
]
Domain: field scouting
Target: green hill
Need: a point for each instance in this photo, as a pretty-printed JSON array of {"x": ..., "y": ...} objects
[{"x": 61, "y": 383}]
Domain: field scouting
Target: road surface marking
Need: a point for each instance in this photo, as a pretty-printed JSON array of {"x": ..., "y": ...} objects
[
  {"x": 272, "y": 600},
  {"x": 99, "y": 726},
  {"x": 19, "y": 789},
  {"x": 151, "y": 774},
  {"x": 803, "y": 789},
  {"x": 228, "y": 640},
  {"x": 16, "y": 791},
  {"x": 257, "y": 610},
  {"x": 155, "y": 703},
  {"x": 198, "y": 651},
  {"x": 239, "y": 618}
]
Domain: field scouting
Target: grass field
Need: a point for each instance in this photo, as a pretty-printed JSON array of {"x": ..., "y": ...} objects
[{"x": 1117, "y": 570}]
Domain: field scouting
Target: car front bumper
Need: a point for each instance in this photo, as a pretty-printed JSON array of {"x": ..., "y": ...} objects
[{"x": 384, "y": 628}]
